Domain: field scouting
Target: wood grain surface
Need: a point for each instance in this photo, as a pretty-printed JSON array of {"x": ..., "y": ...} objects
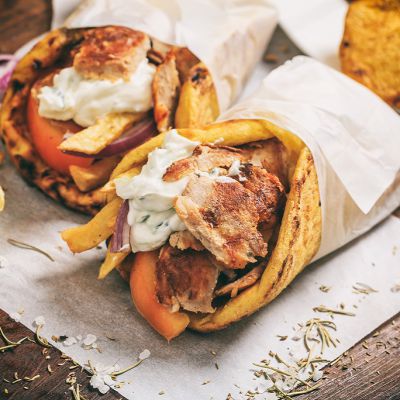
[{"x": 368, "y": 371}]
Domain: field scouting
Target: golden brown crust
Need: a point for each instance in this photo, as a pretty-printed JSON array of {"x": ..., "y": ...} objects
[
  {"x": 13, "y": 123},
  {"x": 223, "y": 217},
  {"x": 111, "y": 52},
  {"x": 369, "y": 51},
  {"x": 298, "y": 241}
]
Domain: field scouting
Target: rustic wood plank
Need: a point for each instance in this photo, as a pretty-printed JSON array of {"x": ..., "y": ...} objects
[
  {"x": 30, "y": 359},
  {"x": 22, "y": 20},
  {"x": 368, "y": 371}
]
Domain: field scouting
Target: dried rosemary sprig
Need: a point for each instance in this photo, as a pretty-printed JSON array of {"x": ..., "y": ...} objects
[
  {"x": 27, "y": 246},
  {"x": 122, "y": 371},
  {"x": 362, "y": 288},
  {"x": 41, "y": 340},
  {"x": 324, "y": 309},
  {"x": 321, "y": 327},
  {"x": 9, "y": 343}
]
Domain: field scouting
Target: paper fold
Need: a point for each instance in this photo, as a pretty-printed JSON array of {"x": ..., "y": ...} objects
[
  {"x": 353, "y": 136},
  {"x": 229, "y": 36}
]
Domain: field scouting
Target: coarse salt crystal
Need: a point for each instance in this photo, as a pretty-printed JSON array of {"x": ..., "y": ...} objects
[
  {"x": 4, "y": 263},
  {"x": 69, "y": 341},
  {"x": 144, "y": 354},
  {"x": 79, "y": 337},
  {"x": 39, "y": 321}
]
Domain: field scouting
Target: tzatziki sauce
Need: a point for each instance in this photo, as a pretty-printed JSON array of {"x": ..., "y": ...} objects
[
  {"x": 86, "y": 100},
  {"x": 152, "y": 216}
]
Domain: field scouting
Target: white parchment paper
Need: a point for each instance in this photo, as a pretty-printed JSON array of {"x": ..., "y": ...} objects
[
  {"x": 352, "y": 134},
  {"x": 229, "y": 36},
  {"x": 67, "y": 293}
]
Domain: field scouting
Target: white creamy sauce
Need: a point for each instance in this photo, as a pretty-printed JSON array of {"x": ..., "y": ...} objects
[
  {"x": 152, "y": 216},
  {"x": 234, "y": 170},
  {"x": 86, "y": 100}
]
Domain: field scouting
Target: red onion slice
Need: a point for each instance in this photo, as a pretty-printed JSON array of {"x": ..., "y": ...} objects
[
  {"x": 133, "y": 137},
  {"x": 6, "y": 72},
  {"x": 120, "y": 239}
]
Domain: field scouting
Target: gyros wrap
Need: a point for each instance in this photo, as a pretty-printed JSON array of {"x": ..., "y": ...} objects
[
  {"x": 245, "y": 203},
  {"x": 82, "y": 97},
  {"x": 70, "y": 71}
]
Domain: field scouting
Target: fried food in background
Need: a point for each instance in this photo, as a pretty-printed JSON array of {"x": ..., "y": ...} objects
[
  {"x": 72, "y": 168},
  {"x": 256, "y": 267},
  {"x": 370, "y": 48}
]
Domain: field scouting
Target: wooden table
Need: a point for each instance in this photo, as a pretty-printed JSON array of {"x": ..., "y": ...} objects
[{"x": 367, "y": 371}]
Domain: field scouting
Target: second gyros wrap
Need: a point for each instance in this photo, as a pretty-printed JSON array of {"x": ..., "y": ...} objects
[{"x": 211, "y": 224}]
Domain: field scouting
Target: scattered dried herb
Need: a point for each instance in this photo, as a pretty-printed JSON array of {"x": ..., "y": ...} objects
[{"x": 27, "y": 246}]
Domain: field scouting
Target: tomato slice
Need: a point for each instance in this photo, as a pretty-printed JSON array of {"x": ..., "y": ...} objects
[
  {"x": 143, "y": 291},
  {"x": 47, "y": 134}
]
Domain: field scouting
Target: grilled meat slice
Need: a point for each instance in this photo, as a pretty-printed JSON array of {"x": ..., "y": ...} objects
[
  {"x": 269, "y": 193},
  {"x": 223, "y": 216},
  {"x": 185, "y": 240},
  {"x": 165, "y": 89},
  {"x": 185, "y": 279},
  {"x": 242, "y": 283},
  {"x": 270, "y": 154},
  {"x": 111, "y": 52},
  {"x": 204, "y": 158}
]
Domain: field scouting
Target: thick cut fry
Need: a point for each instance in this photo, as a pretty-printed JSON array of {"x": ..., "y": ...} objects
[
  {"x": 109, "y": 187},
  {"x": 98, "y": 229},
  {"x": 2, "y": 199},
  {"x": 94, "y": 176},
  {"x": 138, "y": 155},
  {"x": 228, "y": 133},
  {"x": 111, "y": 261},
  {"x": 198, "y": 103},
  {"x": 95, "y": 138}
]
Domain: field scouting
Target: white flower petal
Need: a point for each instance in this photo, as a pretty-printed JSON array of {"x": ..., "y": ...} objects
[
  {"x": 144, "y": 354},
  {"x": 39, "y": 321},
  {"x": 69, "y": 341},
  {"x": 89, "y": 340}
]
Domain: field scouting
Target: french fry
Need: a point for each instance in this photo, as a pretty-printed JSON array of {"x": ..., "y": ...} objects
[
  {"x": 138, "y": 155},
  {"x": 98, "y": 229},
  {"x": 94, "y": 176},
  {"x": 95, "y": 138},
  {"x": 2, "y": 199},
  {"x": 198, "y": 103},
  {"x": 111, "y": 261},
  {"x": 109, "y": 187}
]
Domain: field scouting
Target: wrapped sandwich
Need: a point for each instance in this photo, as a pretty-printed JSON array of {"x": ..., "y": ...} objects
[
  {"x": 81, "y": 98},
  {"x": 369, "y": 51},
  {"x": 208, "y": 225},
  {"x": 214, "y": 223}
]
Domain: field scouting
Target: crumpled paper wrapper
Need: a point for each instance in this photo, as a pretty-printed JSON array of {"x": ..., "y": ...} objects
[
  {"x": 352, "y": 134},
  {"x": 229, "y": 36}
]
